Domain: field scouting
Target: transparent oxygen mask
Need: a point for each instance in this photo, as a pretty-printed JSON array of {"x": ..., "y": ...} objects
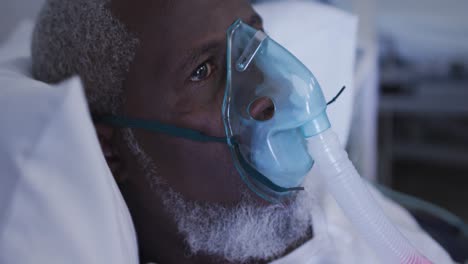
[{"x": 272, "y": 101}]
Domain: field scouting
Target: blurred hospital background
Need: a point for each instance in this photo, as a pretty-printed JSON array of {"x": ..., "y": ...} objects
[{"x": 410, "y": 121}]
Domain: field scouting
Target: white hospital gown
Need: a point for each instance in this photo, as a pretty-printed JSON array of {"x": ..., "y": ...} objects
[{"x": 344, "y": 245}]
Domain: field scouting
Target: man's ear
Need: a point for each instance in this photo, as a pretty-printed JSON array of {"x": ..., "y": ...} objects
[{"x": 106, "y": 136}]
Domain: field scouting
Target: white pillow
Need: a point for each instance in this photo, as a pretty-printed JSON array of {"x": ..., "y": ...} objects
[
  {"x": 18, "y": 43},
  {"x": 324, "y": 39},
  {"x": 58, "y": 200}
]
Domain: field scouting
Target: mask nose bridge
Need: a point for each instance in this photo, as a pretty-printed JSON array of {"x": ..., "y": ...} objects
[{"x": 252, "y": 48}]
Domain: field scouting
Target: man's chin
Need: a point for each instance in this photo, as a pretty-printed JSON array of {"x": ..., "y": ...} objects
[{"x": 254, "y": 229}]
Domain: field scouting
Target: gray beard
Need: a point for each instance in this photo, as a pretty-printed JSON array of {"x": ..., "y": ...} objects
[
  {"x": 238, "y": 234},
  {"x": 245, "y": 232}
]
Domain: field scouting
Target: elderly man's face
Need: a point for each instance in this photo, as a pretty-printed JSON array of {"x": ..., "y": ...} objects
[{"x": 178, "y": 77}]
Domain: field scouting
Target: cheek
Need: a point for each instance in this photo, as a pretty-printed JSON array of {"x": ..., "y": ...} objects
[
  {"x": 207, "y": 118},
  {"x": 199, "y": 171}
]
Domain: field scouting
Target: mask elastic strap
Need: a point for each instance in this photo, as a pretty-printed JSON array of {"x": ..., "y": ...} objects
[{"x": 155, "y": 126}]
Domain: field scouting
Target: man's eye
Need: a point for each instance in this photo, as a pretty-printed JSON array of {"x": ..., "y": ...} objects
[{"x": 202, "y": 72}]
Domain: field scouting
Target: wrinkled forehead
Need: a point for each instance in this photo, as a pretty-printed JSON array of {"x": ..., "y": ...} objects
[
  {"x": 174, "y": 32},
  {"x": 181, "y": 20}
]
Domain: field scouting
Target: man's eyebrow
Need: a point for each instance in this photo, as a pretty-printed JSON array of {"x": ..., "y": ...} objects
[{"x": 193, "y": 56}]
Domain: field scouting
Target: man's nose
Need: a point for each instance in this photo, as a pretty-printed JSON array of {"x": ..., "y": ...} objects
[{"x": 262, "y": 109}]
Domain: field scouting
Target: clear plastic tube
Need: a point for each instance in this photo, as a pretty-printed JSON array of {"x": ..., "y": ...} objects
[{"x": 350, "y": 192}]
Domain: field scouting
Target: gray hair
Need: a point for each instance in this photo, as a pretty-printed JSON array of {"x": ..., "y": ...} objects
[{"x": 82, "y": 37}]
